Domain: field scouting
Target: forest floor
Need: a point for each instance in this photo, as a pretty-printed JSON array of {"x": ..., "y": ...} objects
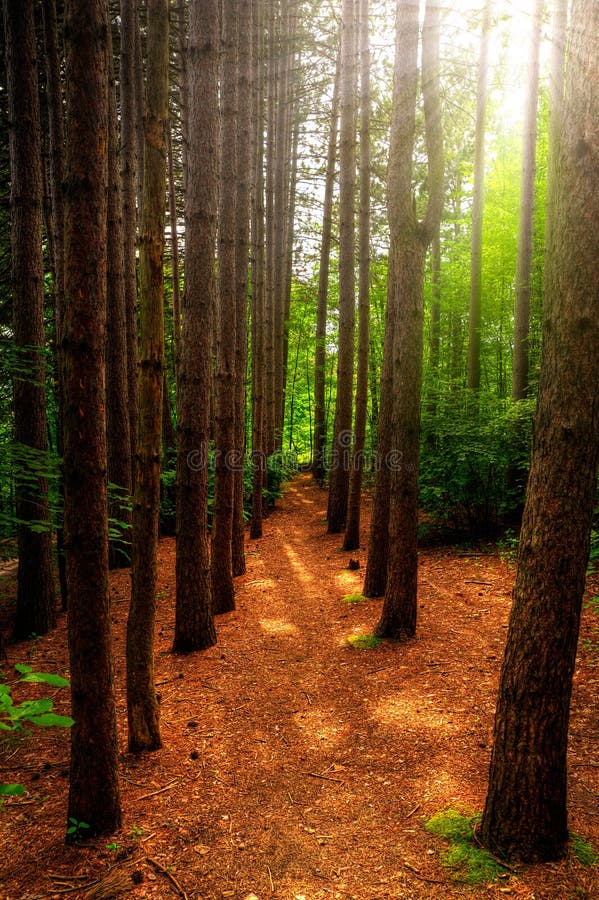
[{"x": 295, "y": 766}]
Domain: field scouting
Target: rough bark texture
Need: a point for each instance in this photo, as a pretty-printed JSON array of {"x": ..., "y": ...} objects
[
  {"x": 142, "y": 705},
  {"x": 94, "y": 789},
  {"x": 194, "y": 625},
  {"x": 352, "y": 529},
  {"x": 244, "y": 142},
  {"x": 409, "y": 241},
  {"x": 525, "y": 814},
  {"x": 56, "y": 172},
  {"x": 320, "y": 432},
  {"x": 223, "y": 593},
  {"x": 527, "y": 187},
  {"x": 342, "y": 441},
  {"x": 128, "y": 156},
  {"x": 474, "y": 318},
  {"x": 35, "y": 585},
  {"x": 117, "y": 382}
]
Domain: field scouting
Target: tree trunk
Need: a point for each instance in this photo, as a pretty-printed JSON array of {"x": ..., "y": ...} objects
[
  {"x": 128, "y": 154},
  {"x": 474, "y": 320},
  {"x": 56, "y": 137},
  {"x": 94, "y": 788},
  {"x": 117, "y": 388},
  {"x": 352, "y": 528},
  {"x": 223, "y": 593},
  {"x": 525, "y": 814},
  {"x": 527, "y": 188},
  {"x": 339, "y": 471},
  {"x": 172, "y": 205},
  {"x": 142, "y": 706},
  {"x": 194, "y": 625},
  {"x": 244, "y": 142},
  {"x": 409, "y": 241},
  {"x": 320, "y": 435},
  {"x": 35, "y": 583}
]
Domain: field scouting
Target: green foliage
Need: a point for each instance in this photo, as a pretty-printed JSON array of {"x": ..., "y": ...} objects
[
  {"x": 592, "y": 643},
  {"x": 75, "y": 828},
  {"x": 35, "y": 712},
  {"x": 354, "y": 598},
  {"x": 470, "y": 863},
  {"x": 474, "y": 460},
  {"x": 364, "y": 641},
  {"x": 583, "y": 850}
]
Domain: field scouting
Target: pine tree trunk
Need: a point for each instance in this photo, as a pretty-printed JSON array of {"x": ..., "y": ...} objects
[
  {"x": 35, "y": 583},
  {"x": 194, "y": 624},
  {"x": 475, "y": 314},
  {"x": 118, "y": 436},
  {"x": 352, "y": 528},
  {"x": 94, "y": 788},
  {"x": 142, "y": 705},
  {"x": 525, "y": 814},
  {"x": 342, "y": 441},
  {"x": 320, "y": 435},
  {"x": 223, "y": 592}
]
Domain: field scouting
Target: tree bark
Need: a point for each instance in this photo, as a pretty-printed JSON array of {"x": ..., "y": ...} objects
[
  {"x": 227, "y": 459},
  {"x": 342, "y": 441},
  {"x": 194, "y": 625},
  {"x": 320, "y": 435},
  {"x": 525, "y": 813},
  {"x": 35, "y": 584},
  {"x": 409, "y": 241},
  {"x": 475, "y": 314},
  {"x": 527, "y": 187},
  {"x": 352, "y": 528},
  {"x": 142, "y": 705},
  {"x": 94, "y": 788}
]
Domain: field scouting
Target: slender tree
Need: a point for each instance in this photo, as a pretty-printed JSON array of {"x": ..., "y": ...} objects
[
  {"x": 409, "y": 241},
  {"x": 352, "y": 528},
  {"x": 527, "y": 187},
  {"x": 35, "y": 584},
  {"x": 142, "y": 705},
  {"x": 227, "y": 457},
  {"x": 475, "y": 315},
  {"x": 194, "y": 626},
  {"x": 320, "y": 436},
  {"x": 339, "y": 472},
  {"x": 525, "y": 813},
  {"x": 94, "y": 789}
]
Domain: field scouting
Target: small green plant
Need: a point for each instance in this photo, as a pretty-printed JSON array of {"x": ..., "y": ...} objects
[
  {"x": 583, "y": 850},
  {"x": 113, "y": 846},
  {"x": 364, "y": 641},
  {"x": 470, "y": 863},
  {"x": 136, "y": 831},
  {"x": 76, "y": 829},
  {"x": 354, "y": 598}
]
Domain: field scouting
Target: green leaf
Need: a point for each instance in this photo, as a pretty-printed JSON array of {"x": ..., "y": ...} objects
[
  {"x": 23, "y": 669},
  {"x": 48, "y": 720},
  {"x": 45, "y": 678},
  {"x": 11, "y": 790}
]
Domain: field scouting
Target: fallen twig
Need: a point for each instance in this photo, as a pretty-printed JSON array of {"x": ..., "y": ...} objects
[
  {"x": 168, "y": 875},
  {"x": 324, "y": 777},
  {"x": 160, "y": 791},
  {"x": 416, "y": 808}
]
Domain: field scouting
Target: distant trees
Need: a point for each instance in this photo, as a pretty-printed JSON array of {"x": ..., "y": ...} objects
[{"x": 525, "y": 814}]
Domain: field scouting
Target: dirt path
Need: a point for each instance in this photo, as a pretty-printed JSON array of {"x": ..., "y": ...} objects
[{"x": 294, "y": 765}]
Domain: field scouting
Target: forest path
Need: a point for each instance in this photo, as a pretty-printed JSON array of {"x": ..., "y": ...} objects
[{"x": 295, "y": 766}]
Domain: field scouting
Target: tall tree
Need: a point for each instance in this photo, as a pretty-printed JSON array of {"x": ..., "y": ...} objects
[
  {"x": 339, "y": 472},
  {"x": 352, "y": 529},
  {"x": 223, "y": 592},
  {"x": 142, "y": 704},
  {"x": 409, "y": 241},
  {"x": 525, "y": 812},
  {"x": 476, "y": 250},
  {"x": 320, "y": 436},
  {"x": 35, "y": 585},
  {"x": 242, "y": 215},
  {"x": 118, "y": 434},
  {"x": 527, "y": 187},
  {"x": 94, "y": 789},
  {"x": 194, "y": 625}
]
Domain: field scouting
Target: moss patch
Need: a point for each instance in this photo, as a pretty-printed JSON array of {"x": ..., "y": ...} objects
[
  {"x": 469, "y": 862},
  {"x": 354, "y": 598},
  {"x": 364, "y": 641},
  {"x": 583, "y": 850}
]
